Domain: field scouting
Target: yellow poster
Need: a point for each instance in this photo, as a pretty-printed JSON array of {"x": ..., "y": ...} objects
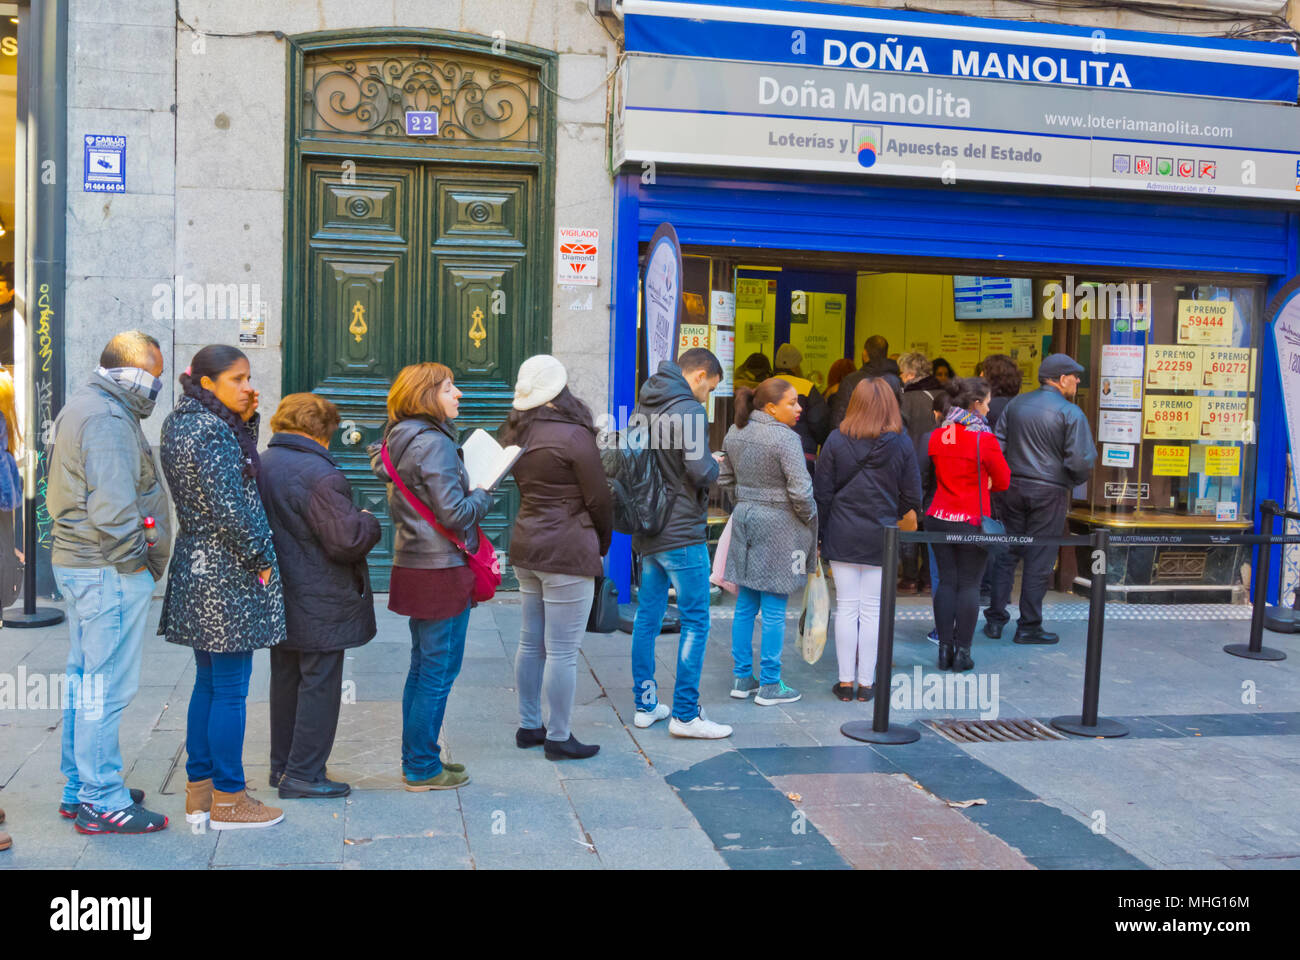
[
  {"x": 694, "y": 335},
  {"x": 821, "y": 339},
  {"x": 1173, "y": 368},
  {"x": 1227, "y": 368},
  {"x": 1169, "y": 418},
  {"x": 1222, "y": 461},
  {"x": 1027, "y": 350},
  {"x": 1206, "y": 321},
  {"x": 1169, "y": 461},
  {"x": 1227, "y": 418},
  {"x": 755, "y": 318},
  {"x": 751, "y": 294}
]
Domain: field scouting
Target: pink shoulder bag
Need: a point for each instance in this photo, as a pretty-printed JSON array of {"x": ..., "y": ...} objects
[{"x": 484, "y": 564}]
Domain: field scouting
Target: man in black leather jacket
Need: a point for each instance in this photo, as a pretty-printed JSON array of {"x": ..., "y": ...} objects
[{"x": 1049, "y": 447}]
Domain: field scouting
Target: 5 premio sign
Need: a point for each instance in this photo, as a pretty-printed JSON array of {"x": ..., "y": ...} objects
[{"x": 577, "y": 257}]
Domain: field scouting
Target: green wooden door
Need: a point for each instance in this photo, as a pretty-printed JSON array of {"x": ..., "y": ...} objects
[{"x": 407, "y": 263}]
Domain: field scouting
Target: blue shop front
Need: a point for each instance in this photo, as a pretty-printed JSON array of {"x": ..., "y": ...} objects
[{"x": 965, "y": 187}]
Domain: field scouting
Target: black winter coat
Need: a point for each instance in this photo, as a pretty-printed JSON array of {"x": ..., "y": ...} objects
[
  {"x": 996, "y": 406},
  {"x": 877, "y": 495},
  {"x": 887, "y": 369},
  {"x": 321, "y": 540}
]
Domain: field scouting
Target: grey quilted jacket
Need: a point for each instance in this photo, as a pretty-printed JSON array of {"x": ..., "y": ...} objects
[{"x": 774, "y": 523}]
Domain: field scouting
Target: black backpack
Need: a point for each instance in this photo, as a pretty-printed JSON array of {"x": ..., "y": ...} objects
[{"x": 643, "y": 497}]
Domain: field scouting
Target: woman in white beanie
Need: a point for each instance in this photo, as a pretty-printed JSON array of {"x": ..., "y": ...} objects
[{"x": 563, "y": 528}]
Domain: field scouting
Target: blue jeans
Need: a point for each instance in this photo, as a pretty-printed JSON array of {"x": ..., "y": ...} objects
[
  {"x": 687, "y": 568},
  {"x": 437, "y": 649},
  {"x": 107, "y": 611},
  {"x": 214, "y": 729},
  {"x": 772, "y": 637}
]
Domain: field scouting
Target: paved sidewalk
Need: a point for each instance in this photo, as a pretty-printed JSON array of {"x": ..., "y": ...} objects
[{"x": 1210, "y": 776}]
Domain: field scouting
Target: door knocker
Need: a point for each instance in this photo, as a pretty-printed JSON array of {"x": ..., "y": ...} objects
[
  {"x": 477, "y": 332},
  {"x": 358, "y": 328}
]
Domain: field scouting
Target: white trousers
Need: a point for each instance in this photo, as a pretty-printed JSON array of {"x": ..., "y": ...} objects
[{"x": 857, "y": 620}]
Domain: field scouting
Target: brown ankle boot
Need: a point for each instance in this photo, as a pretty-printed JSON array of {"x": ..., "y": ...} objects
[
  {"x": 198, "y": 800},
  {"x": 5, "y": 842},
  {"x": 237, "y": 811}
]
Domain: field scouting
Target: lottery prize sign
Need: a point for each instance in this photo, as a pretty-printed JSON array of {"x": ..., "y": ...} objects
[
  {"x": 1226, "y": 418},
  {"x": 1206, "y": 321},
  {"x": 1173, "y": 368},
  {"x": 1228, "y": 368},
  {"x": 1169, "y": 418}
]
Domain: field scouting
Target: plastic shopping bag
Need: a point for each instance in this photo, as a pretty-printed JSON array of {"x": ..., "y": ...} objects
[
  {"x": 816, "y": 616},
  {"x": 720, "y": 562}
]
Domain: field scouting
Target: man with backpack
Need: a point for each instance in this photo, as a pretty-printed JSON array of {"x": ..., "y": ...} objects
[{"x": 671, "y": 407}]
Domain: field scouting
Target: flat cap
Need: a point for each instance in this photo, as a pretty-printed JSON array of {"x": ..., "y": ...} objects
[{"x": 1056, "y": 365}]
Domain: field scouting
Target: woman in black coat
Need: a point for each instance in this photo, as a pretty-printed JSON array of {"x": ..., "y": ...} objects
[
  {"x": 866, "y": 479},
  {"x": 321, "y": 539}
]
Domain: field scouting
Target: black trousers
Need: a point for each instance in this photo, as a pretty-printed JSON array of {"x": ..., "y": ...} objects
[
  {"x": 1027, "y": 508},
  {"x": 957, "y": 598},
  {"x": 305, "y": 692}
]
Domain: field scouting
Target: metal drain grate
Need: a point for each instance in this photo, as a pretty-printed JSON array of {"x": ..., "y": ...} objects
[{"x": 1018, "y": 729}]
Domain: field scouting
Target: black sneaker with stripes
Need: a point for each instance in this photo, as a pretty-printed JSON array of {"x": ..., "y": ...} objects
[
  {"x": 69, "y": 810},
  {"x": 132, "y": 819}
]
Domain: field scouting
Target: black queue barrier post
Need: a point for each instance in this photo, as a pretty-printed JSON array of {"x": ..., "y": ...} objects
[
  {"x": 879, "y": 730},
  {"x": 1255, "y": 650},
  {"x": 1280, "y": 619},
  {"x": 1088, "y": 724}
]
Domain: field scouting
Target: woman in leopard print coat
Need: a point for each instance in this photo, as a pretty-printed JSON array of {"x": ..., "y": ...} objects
[{"x": 224, "y": 596}]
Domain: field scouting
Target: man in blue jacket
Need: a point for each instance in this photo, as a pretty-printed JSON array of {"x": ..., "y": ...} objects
[
  {"x": 672, "y": 400},
  {"x": 1050, "y": 450}
]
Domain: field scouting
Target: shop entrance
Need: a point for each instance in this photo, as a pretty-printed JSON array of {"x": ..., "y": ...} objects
[{"x": 1172, "y": 363}]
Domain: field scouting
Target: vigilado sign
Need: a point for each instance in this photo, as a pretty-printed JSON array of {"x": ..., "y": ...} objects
[{"x": 578, "y": 254}]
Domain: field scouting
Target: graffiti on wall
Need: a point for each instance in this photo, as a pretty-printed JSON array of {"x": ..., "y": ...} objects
[{"x": 44, "y": 413}]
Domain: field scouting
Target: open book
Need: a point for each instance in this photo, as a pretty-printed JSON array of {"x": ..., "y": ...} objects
[{"x": 486, "y": 460}]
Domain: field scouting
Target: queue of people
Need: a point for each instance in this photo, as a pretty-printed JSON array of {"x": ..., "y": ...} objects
[{"x": 269, "y": 549}]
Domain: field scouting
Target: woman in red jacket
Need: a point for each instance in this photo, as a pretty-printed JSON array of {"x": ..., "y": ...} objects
[{"x": 968, "y": 462}]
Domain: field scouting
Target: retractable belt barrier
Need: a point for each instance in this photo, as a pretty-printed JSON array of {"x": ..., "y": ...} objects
[{"x": 1087, "y": 723}]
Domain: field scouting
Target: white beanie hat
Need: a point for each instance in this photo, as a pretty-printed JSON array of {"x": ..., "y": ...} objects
[{"x": 541, "y": 378}]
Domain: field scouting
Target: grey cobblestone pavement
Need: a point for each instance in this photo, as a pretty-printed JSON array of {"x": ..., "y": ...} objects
[{"x": 1209, "y": 777}]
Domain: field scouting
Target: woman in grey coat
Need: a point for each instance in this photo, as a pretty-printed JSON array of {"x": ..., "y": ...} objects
[
  {"x": 773, "y": 530},
  {"x": 224, "y": 596}
]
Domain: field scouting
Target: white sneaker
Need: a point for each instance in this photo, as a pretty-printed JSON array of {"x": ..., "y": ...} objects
[
  {"x": 645, "y": 718},
  {"x": 699, "y": 728}
]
